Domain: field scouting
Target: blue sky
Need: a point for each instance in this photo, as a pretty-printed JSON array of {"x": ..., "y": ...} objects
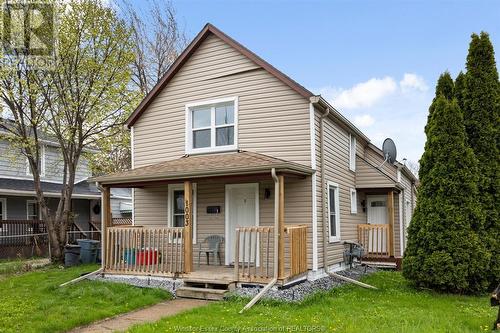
[{"x": 377, "y": 61}]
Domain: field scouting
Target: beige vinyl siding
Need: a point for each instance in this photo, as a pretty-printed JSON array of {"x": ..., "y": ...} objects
[
  {"x": 375, "y": 158},
  {"x": 272, "y": 119},
  {"x": 397, "y": 227},
  {"x": 406, "y": 196},
  {"x": 368, "y": 176},
  {"x": 336, "y": 150},
  {"x": 152, "y": 208}
]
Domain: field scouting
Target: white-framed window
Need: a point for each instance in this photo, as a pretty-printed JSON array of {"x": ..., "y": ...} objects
[
  {"x": 408, "y": 212},
  {"x": 333, "y": 212},
  {"x": 212, "y": 126},
  {"x": 3, "y": 209},
  {"x": 41, "y": 163},
  {"x": 32, "y": 210},
  {"x": 352, "y": 152},
  {"x": 354, "y": 201},
  {"x": 176, "y": 207},
  {"x": 399, "y": 175}
]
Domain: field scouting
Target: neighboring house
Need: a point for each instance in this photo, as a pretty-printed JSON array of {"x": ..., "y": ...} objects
[
  {"x": 235, "y": 130},
  {"x": 17, "y": 195}
]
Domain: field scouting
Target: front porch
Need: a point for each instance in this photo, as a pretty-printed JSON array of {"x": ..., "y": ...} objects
[{"x": 243, "y": 202}]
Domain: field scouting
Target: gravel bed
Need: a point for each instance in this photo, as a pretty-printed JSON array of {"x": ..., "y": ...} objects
[
  {"x": 170, "y": 285},
  {"x": 293, "y": 293},
  {"x": 303, "y": 289}
]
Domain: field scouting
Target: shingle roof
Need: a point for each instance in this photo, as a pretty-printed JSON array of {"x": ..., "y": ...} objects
[
  {"x": 199, "y": 166},
  {"x": 81, "y": 189}
]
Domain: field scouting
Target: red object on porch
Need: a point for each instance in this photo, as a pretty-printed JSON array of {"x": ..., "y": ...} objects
[{"x": 147, "y": 257}]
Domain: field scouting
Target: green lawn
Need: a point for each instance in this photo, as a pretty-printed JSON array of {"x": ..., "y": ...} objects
[
  {"x": 33, "y": 302},
  {"x": 396, "y": 307}
]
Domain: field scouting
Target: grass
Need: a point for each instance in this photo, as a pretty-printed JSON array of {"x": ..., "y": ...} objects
[
  {"x": 395, "y": 307},
  {"x": 33, "y": 301}
]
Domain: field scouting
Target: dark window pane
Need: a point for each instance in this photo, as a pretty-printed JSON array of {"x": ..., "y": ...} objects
[
  {"x": 333, "y": 226},
  {"x": 201, "y": 139},
  {"x": 179, "y": 202},
  {"x": 378, "y": 204},
  {"x": 178, "y": 221},
  {"x": 332, "y": 200},
  {"x": 224, "y": 114},
  {"x": 201, "y": 117},
  {"x": 225, "y": 136}
]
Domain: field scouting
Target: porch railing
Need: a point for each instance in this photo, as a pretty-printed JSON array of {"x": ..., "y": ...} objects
[
  {"x": 145, "y": 250},
  {"x": 254, "y": 254},
  {"x": 375, "y": 240}
]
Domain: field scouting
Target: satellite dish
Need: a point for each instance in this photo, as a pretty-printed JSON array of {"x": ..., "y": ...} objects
[{"x": 389, "y": 149}]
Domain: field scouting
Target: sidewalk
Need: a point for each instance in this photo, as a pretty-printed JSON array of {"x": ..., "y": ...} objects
[{"x": 150, "y": 314}]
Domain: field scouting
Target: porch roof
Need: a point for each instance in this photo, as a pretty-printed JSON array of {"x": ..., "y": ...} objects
[{"x": 202, "y": 166}]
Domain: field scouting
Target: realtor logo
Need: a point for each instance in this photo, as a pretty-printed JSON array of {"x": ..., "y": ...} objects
[{"x": 28, "y": 33}]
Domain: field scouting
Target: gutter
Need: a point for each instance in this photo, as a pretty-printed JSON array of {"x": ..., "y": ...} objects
[{"x": 276, "y": 226}]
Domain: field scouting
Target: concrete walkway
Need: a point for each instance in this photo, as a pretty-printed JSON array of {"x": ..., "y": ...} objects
[{"x": 150, "y": 314}]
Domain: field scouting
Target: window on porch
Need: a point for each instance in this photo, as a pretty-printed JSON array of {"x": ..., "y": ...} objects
[{"x": 176, "y": 215}]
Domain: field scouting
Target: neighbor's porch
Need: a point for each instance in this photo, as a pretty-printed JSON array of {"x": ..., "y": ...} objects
[{"x": 215, "y": 205}]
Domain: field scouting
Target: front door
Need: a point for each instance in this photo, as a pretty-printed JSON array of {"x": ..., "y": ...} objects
[
  {"x": 242, "y": 210},
  {"x": 377, "y": 214}
]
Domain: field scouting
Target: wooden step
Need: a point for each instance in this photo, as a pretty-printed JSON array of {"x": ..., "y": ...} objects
[{"x": 201, "y": 293}]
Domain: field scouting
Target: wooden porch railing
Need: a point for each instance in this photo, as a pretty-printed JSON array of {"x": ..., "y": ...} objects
[
  {"x": 254, "y": 254},
  {"x": 138, "y": 250},
  {"x": 375, "y": 240}
]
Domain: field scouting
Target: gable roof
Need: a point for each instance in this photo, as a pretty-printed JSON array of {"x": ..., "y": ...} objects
[{"x": 192, "y": 47}]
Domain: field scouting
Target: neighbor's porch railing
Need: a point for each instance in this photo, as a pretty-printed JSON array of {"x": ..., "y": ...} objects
[
  {"x": 254, "y": 254},
  {"x": 147, "y": 250},
  {"x": 375, "y": 240}
]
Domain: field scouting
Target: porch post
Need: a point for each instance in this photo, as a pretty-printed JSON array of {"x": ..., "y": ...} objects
[
  {"x": 106, "y": 222},
  {"x": 281, "y": 233},
  {"x": 188, "y": 226},
  {"x": 390, "y": 213}
]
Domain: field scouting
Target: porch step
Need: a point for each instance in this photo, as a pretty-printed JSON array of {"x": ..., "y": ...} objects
[{"x": 201, "y": 293}]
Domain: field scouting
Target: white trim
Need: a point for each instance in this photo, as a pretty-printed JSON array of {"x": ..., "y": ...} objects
[
  {"x": 188, "y": 138},
  {"x": 399, "y": 175},
  {"x": 171, "y": 189},
  {"x": 4, "y": 207},
  {"x": 354, "y": 203},
  {"x": 47, "y": 194},
  {"x": 336, "y": 238},
  {"x": 401, "y": 212},
  {"x": 31, "y": 201},
  {"x": 314, "y": 224},
  {"x": 226, "y": 214},
  {"x": 352, "y": 154},
  {"x": 42, "y": 164},
  {"x": 312, "y": 131},
  {"x": 133, "y": 206},
  {"x": 132, "y": 153}
]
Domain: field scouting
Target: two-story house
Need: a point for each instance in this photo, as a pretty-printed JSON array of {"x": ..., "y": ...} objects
[
  {"x": 18, "y": 204},
  {"x": 228, "y": 147}
]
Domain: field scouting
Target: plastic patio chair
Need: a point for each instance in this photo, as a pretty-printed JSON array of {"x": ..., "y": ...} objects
[{"x": 214, "y": 242}]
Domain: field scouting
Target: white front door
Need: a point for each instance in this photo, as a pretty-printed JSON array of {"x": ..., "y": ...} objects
[
  {"x": 377, "y": 214},
  {"x": 242, "y": 210}
]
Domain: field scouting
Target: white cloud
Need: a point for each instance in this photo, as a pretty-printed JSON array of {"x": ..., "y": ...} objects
[
  {"x": 364, "y": 120},
  {"x": 412, "y": 81},
  {"x": 365, "y": 94},
  {"x": 387, "y": 107}
]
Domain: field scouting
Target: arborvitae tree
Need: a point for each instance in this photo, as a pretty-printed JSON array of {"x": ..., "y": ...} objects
[
  {"x": 445, "y": 88},
  {"x": 481, "y": 107},
  {"x": 444, "y": 252},
  {"x": 459, "y": 90}
]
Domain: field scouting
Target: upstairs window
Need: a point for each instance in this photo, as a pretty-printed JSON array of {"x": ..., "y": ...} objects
[
  {"x": 354, "y": 202},
  {"x": 41, "y": 164},
  {"x": 212, "y": 126},
  {"x": 352, "y": 152}
]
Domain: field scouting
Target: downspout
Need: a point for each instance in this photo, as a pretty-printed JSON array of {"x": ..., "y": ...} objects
[
  {"x": 276, "y": 227},
  {"x": 323, "y": 190}
]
